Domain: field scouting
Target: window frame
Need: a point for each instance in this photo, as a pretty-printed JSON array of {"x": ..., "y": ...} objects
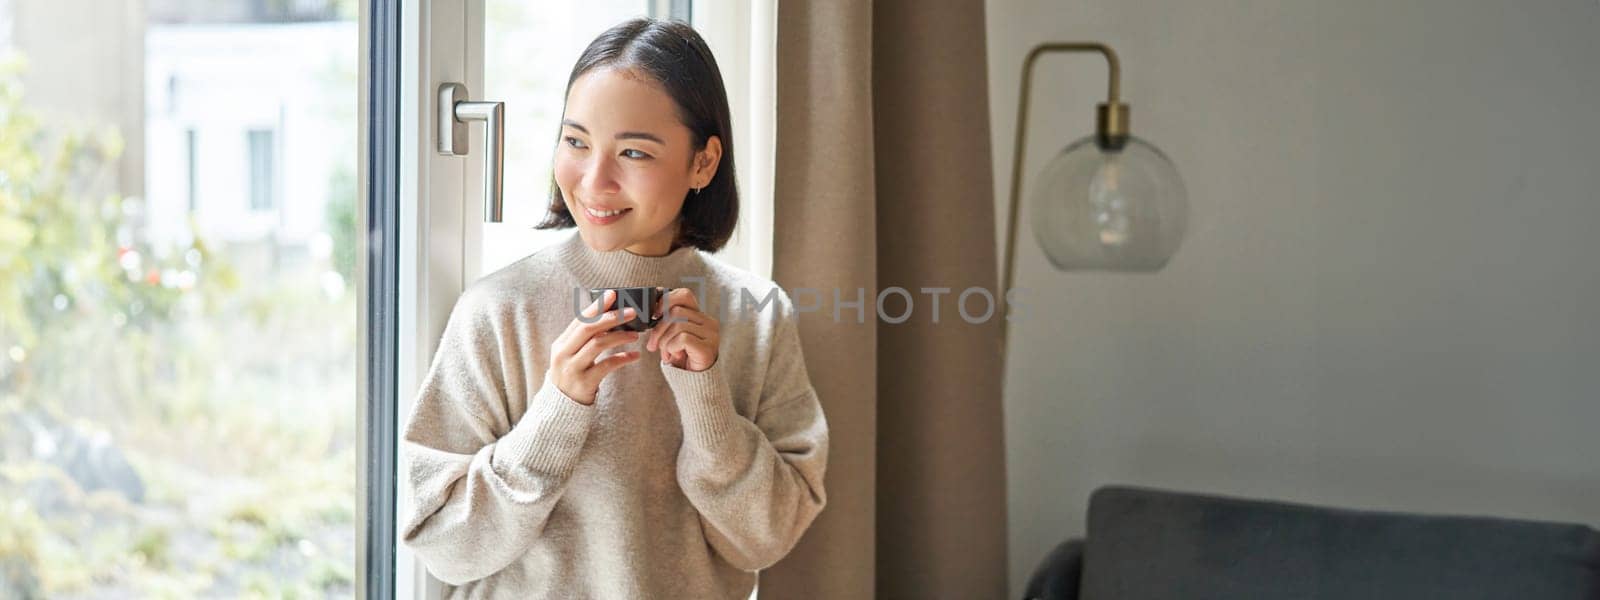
[{"x": 378, "y": 297}]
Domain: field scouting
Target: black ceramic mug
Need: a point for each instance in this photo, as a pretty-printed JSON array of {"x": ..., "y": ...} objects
[{"x": 643, "y": 300}]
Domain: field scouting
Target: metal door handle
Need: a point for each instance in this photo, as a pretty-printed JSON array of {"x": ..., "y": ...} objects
[{"x": 454, "y": 113}]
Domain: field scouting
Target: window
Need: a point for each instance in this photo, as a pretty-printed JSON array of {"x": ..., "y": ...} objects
[
  {"x": 177, "y": 381},
  {"x": 262, "y": 174},
  {"x": 191, "y": 156},
  {"x": 178, "y": 352}
]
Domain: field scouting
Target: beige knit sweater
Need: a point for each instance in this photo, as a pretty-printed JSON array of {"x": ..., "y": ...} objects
[{"x": 673, "y": 484}]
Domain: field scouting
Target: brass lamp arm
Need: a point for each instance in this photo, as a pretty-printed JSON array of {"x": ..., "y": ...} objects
[{"x": 1111, "y": 127}]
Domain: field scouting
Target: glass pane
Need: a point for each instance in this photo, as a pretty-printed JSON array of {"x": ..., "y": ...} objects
[
  {"x": 177, "y": 317},
  {"x": 261, "y": 173},
  {"x": 529, "y": 50}
]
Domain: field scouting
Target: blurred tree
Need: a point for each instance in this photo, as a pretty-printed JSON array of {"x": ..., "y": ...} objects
[
  {"x": 79, "y": 289},
  {"x": 135, "y": 392}
]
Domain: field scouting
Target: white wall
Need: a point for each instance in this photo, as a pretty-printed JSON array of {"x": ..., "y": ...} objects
[{"x": 1390, "y": 297}]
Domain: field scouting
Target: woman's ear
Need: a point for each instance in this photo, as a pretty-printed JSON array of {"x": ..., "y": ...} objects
[{"x": 705, "y": 163}]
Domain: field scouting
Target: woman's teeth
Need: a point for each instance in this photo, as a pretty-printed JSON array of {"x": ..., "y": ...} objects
[{"x": 601, "y": 214}]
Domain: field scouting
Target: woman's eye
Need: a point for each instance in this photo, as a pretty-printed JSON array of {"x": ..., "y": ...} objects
[
  {"x": 575, "y": 142},
  {"x": 634, "y": 154}
]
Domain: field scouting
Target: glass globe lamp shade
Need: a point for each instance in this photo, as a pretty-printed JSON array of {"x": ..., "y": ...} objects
[{"x": 1106, "y": 209}]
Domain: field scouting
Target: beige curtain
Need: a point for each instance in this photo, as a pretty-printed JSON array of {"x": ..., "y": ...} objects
[{"x": 884, "y": 179}]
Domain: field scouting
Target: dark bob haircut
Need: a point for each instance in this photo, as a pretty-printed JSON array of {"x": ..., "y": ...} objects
[{"x": 675, "y": 56}]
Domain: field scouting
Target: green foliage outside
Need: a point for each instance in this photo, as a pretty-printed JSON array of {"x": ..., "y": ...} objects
[{"x": 169, "y": 427}]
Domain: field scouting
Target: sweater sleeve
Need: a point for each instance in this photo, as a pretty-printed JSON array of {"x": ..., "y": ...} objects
[
  {"x": 757, "y": 483},
  {"x": 480, "y": 487}
]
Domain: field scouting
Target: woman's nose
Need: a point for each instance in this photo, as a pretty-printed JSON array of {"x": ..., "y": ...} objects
[{"x": 599, "y": 177}]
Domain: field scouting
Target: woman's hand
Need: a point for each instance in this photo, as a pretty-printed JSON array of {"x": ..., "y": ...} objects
[
  {"x": 575, "y": 364},
  {"x": 687, "y": 338}
]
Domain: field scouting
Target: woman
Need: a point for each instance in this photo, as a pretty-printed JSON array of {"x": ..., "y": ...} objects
[{"x": 545, "y": 459}]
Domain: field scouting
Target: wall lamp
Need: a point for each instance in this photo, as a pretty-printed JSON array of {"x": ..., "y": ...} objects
[{"x": 1108, "y": 201}]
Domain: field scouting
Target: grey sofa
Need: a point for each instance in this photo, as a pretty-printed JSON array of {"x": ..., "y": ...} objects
[{"x": 1153, "y": 544}]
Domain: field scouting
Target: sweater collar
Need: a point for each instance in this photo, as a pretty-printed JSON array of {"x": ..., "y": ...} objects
[{"x": 620, "y": 268}]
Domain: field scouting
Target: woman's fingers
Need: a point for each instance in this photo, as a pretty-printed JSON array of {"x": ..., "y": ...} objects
[
  {"x": 605, "y": 322},
  {"x": 685, "y": 336},
  {"x": 601, "y": 343},
  {"x": 599, "y": 304},
  {"x": 669, "y": 347},
  {"x": 574, "y": 367},
  {"x": 688, "y": 340},
  {"x": 588, "y": 313},
  {"x": 688, "y": 331},
  {"x": 661, "y": 304},
  {"x": 678, "y": 315},
  {"x": 608, "y": 364},
  {"x": 686, "y": 350},
  {"x": 681, "y": 297},
  {"x": 603, "y": 302},
  {"x": 685, "y": 313},
  {"x": 691, "y": 328},
  {"x": 582, "y": 332},
  {"x": 672, "y": 307}
]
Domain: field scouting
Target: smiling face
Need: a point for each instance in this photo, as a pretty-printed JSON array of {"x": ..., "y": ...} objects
[{"x": 625, "y": 162}]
